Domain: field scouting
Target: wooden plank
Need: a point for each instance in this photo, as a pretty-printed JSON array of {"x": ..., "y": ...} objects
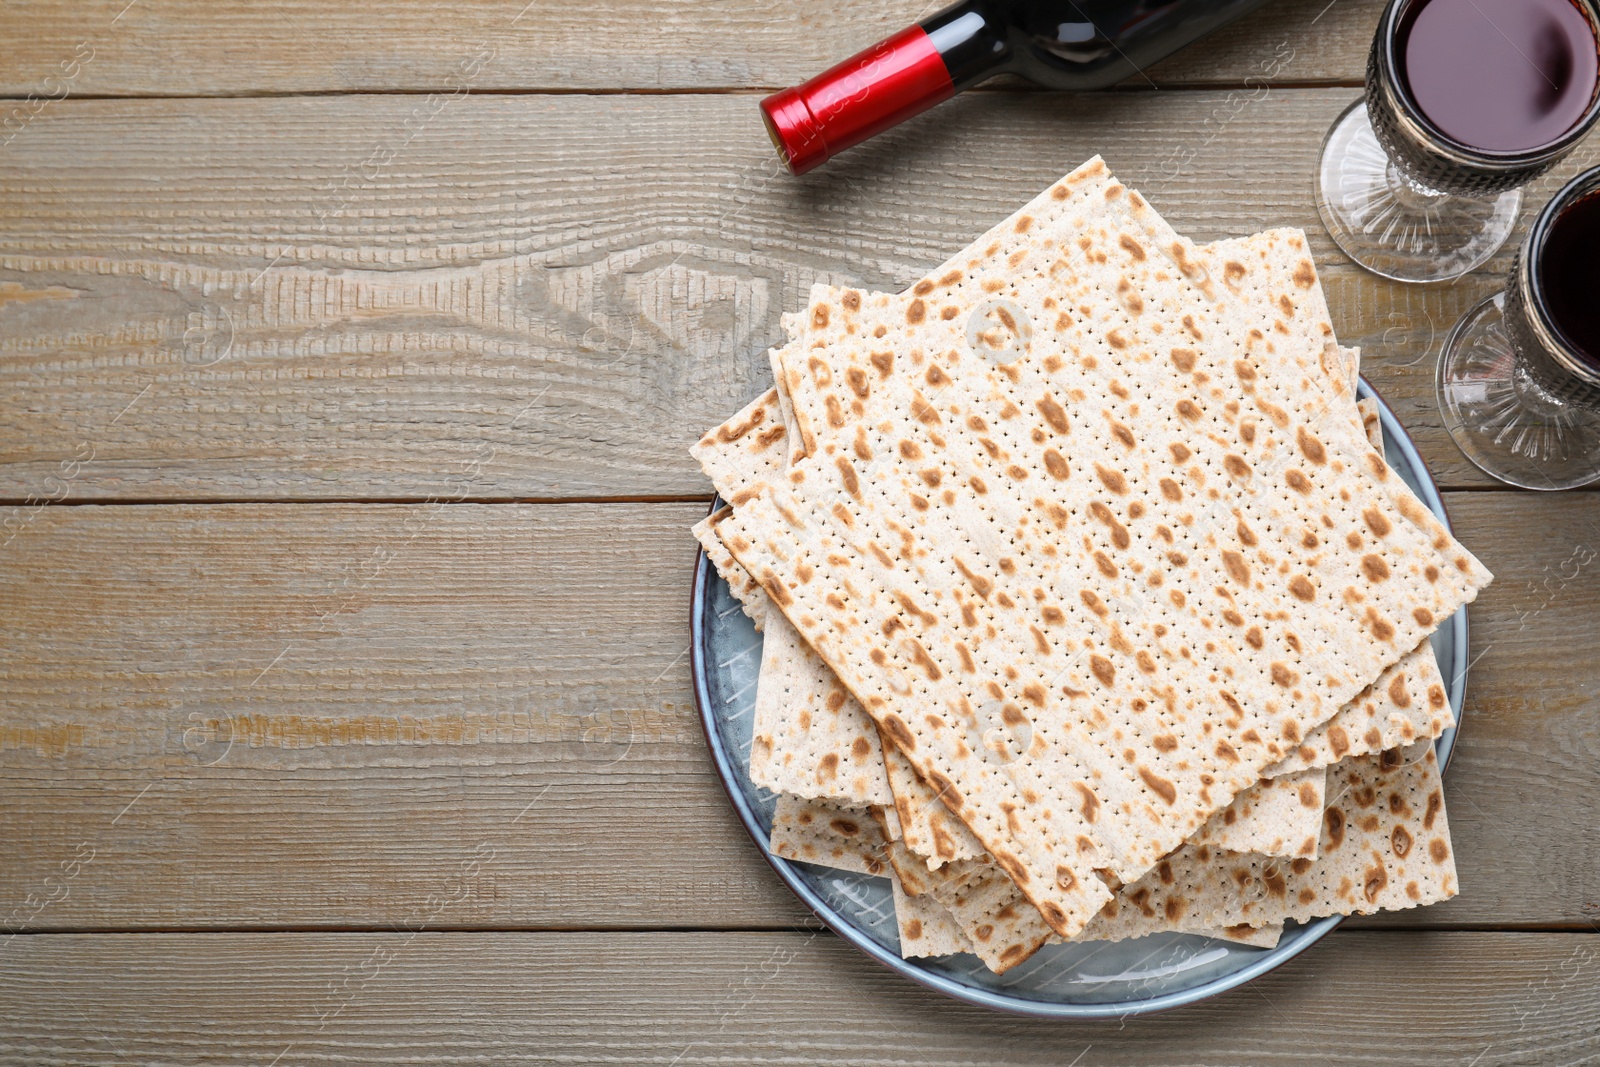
[
  {"x": 268, "y": 715},
  {"x": 1531, "y": 735},
  {"x": 234, "y": 47},
  {"x": 795, "y": 997},
  {"x": 250, "y": 715},
  {"x": 303, "y": 299}
]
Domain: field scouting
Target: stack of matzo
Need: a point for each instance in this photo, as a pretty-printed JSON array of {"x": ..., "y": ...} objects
[{"x": 1090, "y": 606}]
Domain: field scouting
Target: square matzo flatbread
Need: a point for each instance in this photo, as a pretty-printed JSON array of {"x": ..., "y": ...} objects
[{"x": 870, "y": 518}]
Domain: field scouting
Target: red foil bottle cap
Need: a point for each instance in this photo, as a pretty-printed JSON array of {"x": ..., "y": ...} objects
[{"x": 861, "y": 97}]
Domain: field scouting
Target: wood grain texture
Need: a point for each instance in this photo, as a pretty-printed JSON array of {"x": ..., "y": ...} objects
[
  {"x": 257, "y": 715},
  {"x": 711, "y": 998},
  {"x": 194, "y": 48},
  {"x": 453, "y": 716},
  {"x": 251, "y": 715},
  {"x": 310, "y": 298}
]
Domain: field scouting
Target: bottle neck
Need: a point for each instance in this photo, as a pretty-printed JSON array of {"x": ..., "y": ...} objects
[
  {"x": 897, "y": 78},
  {"x": 971, "y": 39}
]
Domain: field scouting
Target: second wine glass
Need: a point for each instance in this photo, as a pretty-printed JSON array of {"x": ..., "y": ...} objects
[{"x": 1519, "y": 379}]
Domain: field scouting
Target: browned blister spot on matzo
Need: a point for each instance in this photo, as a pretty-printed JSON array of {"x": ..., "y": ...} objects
[{"x": 1111, "y": 478}]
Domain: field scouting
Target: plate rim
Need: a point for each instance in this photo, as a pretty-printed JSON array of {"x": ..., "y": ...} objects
[{"x": 1270, "y": 960}]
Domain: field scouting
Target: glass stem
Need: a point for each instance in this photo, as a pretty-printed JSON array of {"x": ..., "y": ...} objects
[{"x": 1412, "y": 193}]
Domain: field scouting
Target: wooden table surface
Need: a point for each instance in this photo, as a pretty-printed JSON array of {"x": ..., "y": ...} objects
[{"x": 348, "y": 359}]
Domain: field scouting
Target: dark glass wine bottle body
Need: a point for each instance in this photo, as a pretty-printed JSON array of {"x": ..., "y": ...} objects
[{"x": 1088, "y": 44}]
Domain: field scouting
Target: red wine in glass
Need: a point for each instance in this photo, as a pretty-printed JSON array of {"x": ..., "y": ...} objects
[
  {"x": 1569, "y": 276},
  {"x": 1466, "y": 102},
  {"x": 1499, "y": 75}
]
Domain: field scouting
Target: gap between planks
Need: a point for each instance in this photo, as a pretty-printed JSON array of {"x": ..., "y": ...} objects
[
  {"x": 1351, "y": 925},
  {"x": 1008, "y": 86},
  {"x": 662, "y": 498}
]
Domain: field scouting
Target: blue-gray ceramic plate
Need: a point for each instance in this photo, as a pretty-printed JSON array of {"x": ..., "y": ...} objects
[{"x": 1089, "y": 981}]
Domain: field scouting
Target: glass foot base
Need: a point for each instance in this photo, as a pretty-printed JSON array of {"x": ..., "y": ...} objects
[
  {"x": 1395, "y": 227},
  {"x": 1502, "y": 420}
]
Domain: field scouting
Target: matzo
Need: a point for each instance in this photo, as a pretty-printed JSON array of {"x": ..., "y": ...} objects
[
  {"x": 746, "y": 450},
  {"x": 888, "y": 821},
  {"x": 1275, "y": 817},
  {"x": 1271, "y": 273},
  {"x": 967, "y": 907},
  {"x": 929, "y": 928},
  {"x": 1004, "y": 929},
  {"x": 927, "y": 827},
  {"x": 1372, "y": 422},
  {"x": 795, "y": 443},
  {"x": 934, "y": 834},
  {"x": 810, "y": 738},
  {"x": 926, "y": 927},
  {"x": 1385, "y": 846},
  {"x": 1250, "y": 823},
  {"x": 1334, "y": 652},
  {"x": 752, "y": 599},
  {"x": 1406, "y": 702},
  {"x": 1285, "y": 281},
  {"x": 828, "y": 834}
]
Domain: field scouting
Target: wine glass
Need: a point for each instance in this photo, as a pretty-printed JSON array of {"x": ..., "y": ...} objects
[
  {"x": 1518, "y": 393},
  {"x": 1406, "y": 200}
]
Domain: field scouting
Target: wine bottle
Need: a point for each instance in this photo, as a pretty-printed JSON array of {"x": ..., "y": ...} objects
[{"x": 1062, "y": 44}]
